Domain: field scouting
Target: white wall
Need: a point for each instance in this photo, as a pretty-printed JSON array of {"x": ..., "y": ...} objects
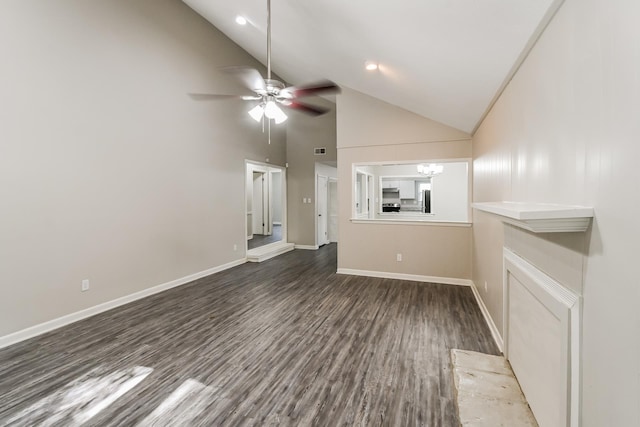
[
  {"x": 108, "y": 170},
  {"x": 566, "y": 131},
  {"x": 450, "y": 193}
]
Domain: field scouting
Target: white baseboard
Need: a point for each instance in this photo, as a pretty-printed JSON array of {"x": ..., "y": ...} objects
[
  {"x": 50, "y": 325},
  {"x": 307, "y": 247},
  {"x": 277, "y": 223},
  {"x": 402, "y": 276},
  {"x": 487, "y": 317}
]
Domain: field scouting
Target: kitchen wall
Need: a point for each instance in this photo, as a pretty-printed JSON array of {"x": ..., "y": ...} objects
[
  {"x": 108, "y": 170},
  {"x": 450, "y": 191},
  {"x": 566, "y": 131},
  {"x": 304, "y": 133},
  {"x": 370, "y": 130}
]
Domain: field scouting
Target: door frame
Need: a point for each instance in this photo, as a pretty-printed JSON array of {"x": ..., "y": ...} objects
[
  {"x": 329, "y": 208},
  {"x": 266, "y": 168},
  {"x": 264, "y": 209},
  {"x": 326, "y": 216}
]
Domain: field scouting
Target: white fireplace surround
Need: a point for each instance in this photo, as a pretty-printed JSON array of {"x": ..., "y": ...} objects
[{"x": 543, "y": 345}]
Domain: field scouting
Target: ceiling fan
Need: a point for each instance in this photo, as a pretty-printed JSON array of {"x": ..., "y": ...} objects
[{"x": 271, "y": 93}]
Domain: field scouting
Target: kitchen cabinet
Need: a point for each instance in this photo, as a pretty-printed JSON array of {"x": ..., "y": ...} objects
[
  {"x": 389, "y": 184},
  {"x": 407, "y": 189}
]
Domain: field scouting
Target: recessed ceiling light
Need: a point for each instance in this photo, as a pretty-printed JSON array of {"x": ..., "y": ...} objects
[
  {"x": 370, "y": 65},
  {"x": 241, "y": 20}
]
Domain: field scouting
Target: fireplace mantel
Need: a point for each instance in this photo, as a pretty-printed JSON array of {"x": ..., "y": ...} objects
[{"x": 540, "y": 217}]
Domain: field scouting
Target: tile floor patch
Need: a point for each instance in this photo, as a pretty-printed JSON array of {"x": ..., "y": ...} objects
[
  {"x": 487, "y": 392},
  {"x": 480, "y": 362}
]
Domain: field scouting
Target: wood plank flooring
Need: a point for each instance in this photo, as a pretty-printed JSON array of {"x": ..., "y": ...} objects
[
  {"x": 284, "y": 342},
  {"x": 261, "y": 240}
]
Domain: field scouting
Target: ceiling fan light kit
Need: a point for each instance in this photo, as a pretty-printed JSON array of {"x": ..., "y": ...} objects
[
  {"x": 272, "y": 111},
  {"x": 256, "y": 113}
]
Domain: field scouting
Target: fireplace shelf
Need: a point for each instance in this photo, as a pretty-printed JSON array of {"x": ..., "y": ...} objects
[{"x": 540, "y": 217}]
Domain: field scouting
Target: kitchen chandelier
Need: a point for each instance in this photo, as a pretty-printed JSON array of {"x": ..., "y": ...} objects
[{"x": 430, "y": 170}]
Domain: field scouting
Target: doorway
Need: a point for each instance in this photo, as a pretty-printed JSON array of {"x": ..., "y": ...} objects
[
  {"x": 259, "y": 213},
  {"x": 265, "y": 204},
  {"x": 323, "y": 210},
  {"x": 326, "y": 212}
]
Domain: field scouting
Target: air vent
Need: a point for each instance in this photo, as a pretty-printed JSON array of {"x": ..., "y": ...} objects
[{"x": 320, "y": 151}]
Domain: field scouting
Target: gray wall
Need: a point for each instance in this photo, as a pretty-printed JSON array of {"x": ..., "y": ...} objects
[
  {"x": 303, "y": 134},
  {"x": 108, "y": 171},
  {"x": 566, "y": 131},
  {"x": 370, "y": 130}
]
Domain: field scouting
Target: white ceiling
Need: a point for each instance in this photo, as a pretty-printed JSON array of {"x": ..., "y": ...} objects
[{"x": 442, "y": 59}]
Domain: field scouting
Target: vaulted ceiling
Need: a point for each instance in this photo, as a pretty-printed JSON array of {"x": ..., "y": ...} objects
[{"x": 443, "y": 59}]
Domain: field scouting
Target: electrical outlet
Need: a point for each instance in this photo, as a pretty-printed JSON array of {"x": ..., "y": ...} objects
[
  {"x": 398, "y": 257},
  {"x": 85, "y": 285},
  {"x": 235, "y": 247},
  {"x": 486, "y": 289}
]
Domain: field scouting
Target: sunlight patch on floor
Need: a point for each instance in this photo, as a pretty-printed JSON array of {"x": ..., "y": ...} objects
[
  {"x": 82, "y": 399},
  {"x": 182, "y": 406}
]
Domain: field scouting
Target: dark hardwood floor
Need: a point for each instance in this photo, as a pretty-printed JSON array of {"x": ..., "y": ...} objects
[
  {"x": 261, "y": 240},
  {"x": 284, "y": 342}
]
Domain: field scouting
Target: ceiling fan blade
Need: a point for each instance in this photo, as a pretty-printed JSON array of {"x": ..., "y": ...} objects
[
  {"x": 312, "y": 110},
  {"x": 324, "y": 86},
  {"x": 216, "y": 97},
  {"x": 249, "y": 76}
]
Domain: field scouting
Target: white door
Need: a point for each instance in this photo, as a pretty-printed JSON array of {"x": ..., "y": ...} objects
[
  {"x": 258, "y": 203},
  {"x": 323, "y": 212}
]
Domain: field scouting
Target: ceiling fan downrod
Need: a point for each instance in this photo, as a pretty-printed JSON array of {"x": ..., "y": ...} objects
[{"x": 269, "y": 39}]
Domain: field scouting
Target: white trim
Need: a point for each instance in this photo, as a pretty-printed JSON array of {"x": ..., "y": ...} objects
[
  {"x": 269, "y": 251},
  {"x": 409, "y": 221},
  {"x": 50, "y": 325},
  {"x": 540, "y": 217},
  {"x": 277, "y": 223},
  {"x": 495, "y": 332},
  {"x": 403, "y": 276},
  {"x": 317, "y": 213},
  {"x": 266, "y": 168},
  {"x": 566, "y": 306},
  {"x": 307, "y": 247}
]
